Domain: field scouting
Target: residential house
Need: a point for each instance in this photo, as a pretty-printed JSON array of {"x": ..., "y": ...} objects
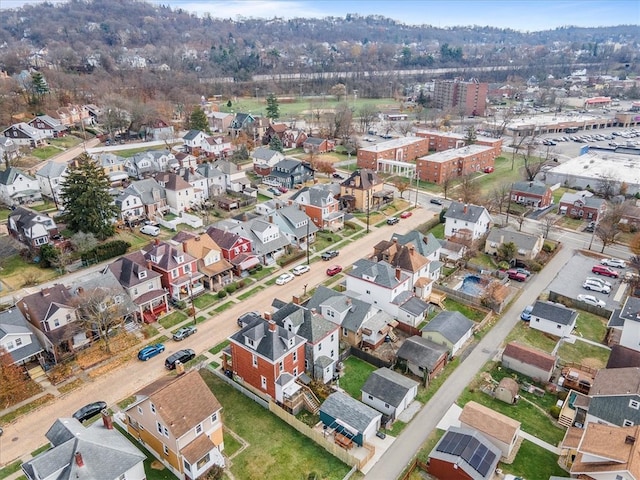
[
  {"x": 199, "y": 184},
  {"x": 322, "y": 336},
  {"x": 144, "y": 286},
  {"x": 535, "y": 364},
  {"x": 193, "y": 140},
  {"x": 607, "y": 452},
  {"x": 144, "y": 164},
  {"x": 320, "y": 204},
  {"x": 185, "y": 160},
  {"x": 142, "y": 199},
  {"x": 264, "y": 159},
  {"x": 179, "y": 420},
  {"x": 464, "y": 454},
  {"x": 614, "y": 397},
  {"x": 274, "y": 130},
  {"x": 9, "y": 150},
  {"x": 361, "y": 324},
  {"x": 217, "y": 270},
  {"x": 235, "y": 179},
  {"x": 179, "y": 270},
  {"x": 266, "y": 240},
  {"x": 290, "y": 172},
  {"x": 73, "y": 115},
  {"x": 50, "y": 127},
  {"x": 353, "y": 420},
  {"x": 295, "y": 225},
  {"x": 218, "y": 147},
  {"x": 220, "y": 121},
  {"x": 159, "y": 130},
  {"x": 318, "y": 145},
  {"x": 268, "y": 357},
  {"x": 624, "y": 325},
  {"x": 52, "y": 313},
  {"x": 364, "y": 191},
  {"x": 630, "y": 218},
  {"x": 215, "y": 178},
  {"x": 449, "y": 328},
  {"x": 23, "y": 134},
  {"x": 470, "y": 221},
  {"x": 114, "y": 167},
  {"x": 241, "y": 122},
  {"x": 181, "y": 195},
  {"x": 426, "y": 245},
  {"x": 17, "y": 338},
  {"x": 407, "y": 259},
  {"x": 31, "y": 228},
  {"x": 422, "y": 357},
  {"x": 528, "y": 246},
  {"x": 553, "y": 318},
  {"x": 500, "y": 430},
  {"x": 235, "y": 248},
  {"x": 389, "y": 392},
  {"x": 294, "y": 138},
  {"x": 532, "y": 194},
  {"x": 18, "y": 188},
  {"x": 582, "y": 204},
  {"x": 96, "y": 451}
]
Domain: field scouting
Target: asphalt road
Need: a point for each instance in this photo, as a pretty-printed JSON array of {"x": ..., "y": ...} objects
[{"x": 27, "y": 433}]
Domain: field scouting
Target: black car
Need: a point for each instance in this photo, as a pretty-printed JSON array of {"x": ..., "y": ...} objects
[
  {"x": 90, "y": 410},
  {"x": 436, "y": 201},
  {"x": 338, "y": 176},
  {"x": 392, "y": 220},
  {"x": 328, "y": 255},
  {"x": 183, "y": 356}
]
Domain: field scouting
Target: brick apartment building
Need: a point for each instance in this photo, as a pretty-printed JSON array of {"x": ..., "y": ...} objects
[
  {"x": 399, "y": 149},
  {"x": 458, "y": 95},
  {"x": 441, "y": 141},
  {"x": 456, "y": 162}
]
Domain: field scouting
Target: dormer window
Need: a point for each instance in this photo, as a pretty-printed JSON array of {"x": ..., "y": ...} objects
[
  {"x": 180, "y": 258},
  {"x": 142, "y": 274}
]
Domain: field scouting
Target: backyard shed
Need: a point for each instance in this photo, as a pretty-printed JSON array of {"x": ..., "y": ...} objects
[
  {"x": 507, "y": 390},
  {"x": 349, "y": 417}
]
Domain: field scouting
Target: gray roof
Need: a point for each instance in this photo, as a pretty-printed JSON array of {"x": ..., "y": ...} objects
[
  {"x": 207, "y": 170},
  {"x": 191, "y": 134},
  {"x": 425, "y": 245},
  {"x": 388, "y": 386},
  {"x": 248, "y": 230},
  {"x": 554, "y": 312},
  {"x": 356, "y": 414},
  {"x": 584, "y": 196},
  {"x": 534, "y": 188},
  {"x": 106, "y": 453},
  {"x": 8, "y": 176},
  {"x": 414, "y": 305},
  {"x": 311, "y": 327},
  {"x": 465, "y": 212},
  {"x": 270, "y": 344},
  {"x": 631, "y": 309},
  {"x": 451, "y": 325},
  {"x": 52, "y": 170},
  {"x": 357, "y": 310},
  {"x": 293, "y": 220},
  {"x": 264, "y": 153},
  {"x": 13, "y": 322},
  {"x": 148, "y": 190},
  {"x": 421, "y": 352},
  {"x": 380, "y": 273},
  {"x": 287, "y": 165},
  {"x": 523, "y": 241}
]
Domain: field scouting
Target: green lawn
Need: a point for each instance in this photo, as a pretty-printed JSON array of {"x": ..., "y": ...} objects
[
  {"x": 438, "y": 231},
  {"x": 264, "y": 272},
  {"x": 534, "y": 338},
  {"x": 131, "y": 152},
  {"x": 276, "y": 450},
  {"x": 356, "y": 372},
  {"x": 591, "y": 326},
  {"x": 224, "y": 307},
  {"x": 10, "y": 469},
  {"x": 533, "y": 462},
  {"x": 173, "y": 319},
  {"x": 557, "y": 194},
  {"x": 469, "y": 312},
  {"x": 218, "y": 348},
  {"x": 251, "y": 292},
  {"x": 205, "y": 301},
  {"x": 581, "y": 352},
  {"x": 46, "y": 152}
]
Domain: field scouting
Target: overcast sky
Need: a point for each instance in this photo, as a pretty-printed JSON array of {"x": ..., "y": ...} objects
[{"x": 524, "y": 15}]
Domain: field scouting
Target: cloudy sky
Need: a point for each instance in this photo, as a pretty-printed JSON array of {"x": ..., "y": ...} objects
[{"x": 524, "y": 15}]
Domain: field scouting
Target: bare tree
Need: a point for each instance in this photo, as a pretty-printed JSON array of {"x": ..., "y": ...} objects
[
  {"x": 469, "y": 190},
  {"x": 403, "y": 128},
  {"x": 532, "y": 163},
  {"x": 367, "y": 116},
  {"x": 520, "y": 219},
  {"x": 607, "y": 231},
  {"x": 500, "y": 196},
  {"x": 607, "y": 186},
  {"x": 83, "y": 242},
  {"x": 546, "y": 225},
  {"x": 447, "y": 183},
  {"x": 402, "y": 184}
]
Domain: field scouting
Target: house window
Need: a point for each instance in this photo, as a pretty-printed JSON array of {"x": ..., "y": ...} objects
[
  {"x": 159, "y": 427},
  {"x": 152, "y": 407},
  {"x": 344, "y": 332},
  {"x": 165, "y": 449},
  {"x": 122, "y": 477},
  {"x": 203, "y": 461},
  {"x": 263, "y": 381},
  {"x": 198, "y": 429},
  {"x": 281, "y": 366},
  {"x": 558, "y": 327},
  {"x": 370, "y": 397},
  {"x": 254, "y": 360},
  {"x": 306, "y": 364},
  {"x": 635, "y": 404},
  {"x": 187, "y": 467},
  {"x": 295, "y": 356},
  {"x": 295, "y": 372},
  {"x": 214, "y": 418},
  {"x": 140, "y": 410}
]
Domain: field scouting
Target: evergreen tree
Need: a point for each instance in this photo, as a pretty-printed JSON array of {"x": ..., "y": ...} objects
[
  {"x": 39, "y": 88},
  {"x": 273, "y": 108},
  {"x": 276, "y": 144},
  {"x": 471, "y": 137},
  {"x": 86, "y": 199},
  {"x": 198, "y": 121}
]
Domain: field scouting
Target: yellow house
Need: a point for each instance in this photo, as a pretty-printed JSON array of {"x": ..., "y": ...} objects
[
  {"x": 179, "y": 421},
  {"x": 363, "y": 190}
]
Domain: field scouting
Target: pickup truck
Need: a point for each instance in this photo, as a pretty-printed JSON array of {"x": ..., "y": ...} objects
[{"x": 328, "y": 255}]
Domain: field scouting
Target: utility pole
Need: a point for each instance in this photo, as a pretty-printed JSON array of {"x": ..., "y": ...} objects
[
  {"x": 193, "y": 306},
  {"x": 368, "y": 208},
  {"x": 509, "y": 204},
  {"x": 417, "y": 187},
  {"x": 308, "y": 254}
]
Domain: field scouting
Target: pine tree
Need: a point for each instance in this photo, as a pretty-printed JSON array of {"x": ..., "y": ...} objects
[
  {"x": 470, "y": 138},
  {"x": 39, "y": 87},
  {"x": 276, "y": 144},
  {"x": 86, "y": 199},
  {"x": 273, "y": 108},
  {"x": 198, "y": 121}
]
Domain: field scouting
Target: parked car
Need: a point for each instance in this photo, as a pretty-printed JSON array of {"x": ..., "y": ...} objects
[
  {"x": 329, "y": 254},
  {"x": 334, "y": 270},
  {"x": 405, "y": 214},
  {"x": 182, "y": 356},
  {"x": 300, "y": 269},
  {"x": 275, "y": 191},
  {"x": 526, "y": 313},
  {"x": 338, "y": 176},
  {"x": 184, "y": 332},
  {"x": 152, "y": 230},
  {"x": 150, "y": 351},
  {"x": 599, "y": 280},
  {"x": 614, "y": 262},
  {"x": 596, "y": 287},
  {"x": 392, "y": 220},
  {"x": 604, "y": 270},
  {"x": 89, "y": 410},
  {"x": 591, "y": 300},
  {"x": 436, "y": 201},
  {"x": 282, "y": 189},
  {"x": 523, "y": 271},
  {"x": 284, "y": 278},
  {"x": 488, "y": 170},
  {"x": 513, "y": 274}
]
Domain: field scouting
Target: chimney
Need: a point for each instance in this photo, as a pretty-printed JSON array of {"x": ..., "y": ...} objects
[
  {"x": 295, "y": 300},
  {"x": 107, "y": 421},
  {"x": 149, "y": 264},
  {"x": 157, "y": 242},
  {"x": 465, "y": 209},
  {"x": 79, "y": 461},
  {"x": 348, "y": 301},
  {"x": 314, "y": 311},
  {"x": 630, "y": 440},
  {"x": 398, "y": 271},
  {"x": 272, "y": 326},
  {"x": 412, "y": 249},
  {"x": 270, "y": 218},
  {"x": 267, "y": 316}
]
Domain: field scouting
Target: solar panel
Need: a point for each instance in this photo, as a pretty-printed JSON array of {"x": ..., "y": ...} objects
[
  {"x": 484, "y": 467},
  {"x": 470, "y": 449},
  {"x": 443, "y": 446},
  {"x": 462, "y": 444}
]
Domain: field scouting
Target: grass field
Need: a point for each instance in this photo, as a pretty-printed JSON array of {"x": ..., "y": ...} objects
[
  {"x": 534, "y": 338},
  {"x": 356, "y": 372}
]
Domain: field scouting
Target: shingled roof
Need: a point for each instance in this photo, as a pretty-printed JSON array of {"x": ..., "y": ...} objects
[{"x": 530, "y": 356}]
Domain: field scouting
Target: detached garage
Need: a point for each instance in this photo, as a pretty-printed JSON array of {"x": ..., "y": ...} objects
[{"x": 350, "y": 418}]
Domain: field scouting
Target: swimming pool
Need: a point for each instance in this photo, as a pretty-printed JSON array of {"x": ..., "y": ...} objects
[{"x": 472, "y": 285}]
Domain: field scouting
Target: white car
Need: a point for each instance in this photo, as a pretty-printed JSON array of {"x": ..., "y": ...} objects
[
  {"x": 596, "y": 287},
  {"x": 300, "y": 269},
  {"x": 614, "y": 262},
  {"x": 598, "y": 280},
  {"x": 284, "y": 278},
  {"x": 591, "y": 300}
]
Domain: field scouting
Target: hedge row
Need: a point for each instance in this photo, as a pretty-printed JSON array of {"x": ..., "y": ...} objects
[{"x": 106, "y": 251}]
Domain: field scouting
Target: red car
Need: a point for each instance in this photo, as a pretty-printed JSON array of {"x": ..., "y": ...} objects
[
  {"x": 334, "y": 270},
  {"x": 604, "y": 270},
  {"x": 488, "y": 169},
  {"x": 405, "y": 214}
]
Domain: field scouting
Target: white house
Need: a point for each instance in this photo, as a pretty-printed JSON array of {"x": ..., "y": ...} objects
[
  {"x": 17, "y": 188},
  {"x": 193, "y": 140},
  {"x": 198, "y": 182},
  {"x": 49, "y": 178},
  {"x": 16, "y": 338},
  {"x": 181, "y": 196},
  {"x": 466, "y": 219},
  {"x": 553, "y": 318},
  {"x": 389, "y": 392},
  {"x": 626, "y": 322},
  {"x": 217, "y": 146},
  {"x": 215, "y": 178},
  {"x": 32, "y": 228},
  {"x": 235, "y": 179}
]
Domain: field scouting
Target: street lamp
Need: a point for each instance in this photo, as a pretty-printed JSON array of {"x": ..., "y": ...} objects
[{"x": 193, "y": 306}]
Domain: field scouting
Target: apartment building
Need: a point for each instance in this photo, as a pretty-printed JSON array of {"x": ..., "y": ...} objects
[{"x": 469, "y": 97}]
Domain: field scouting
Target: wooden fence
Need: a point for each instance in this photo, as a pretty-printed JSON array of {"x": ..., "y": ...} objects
[{"x": 574, "y": 303}]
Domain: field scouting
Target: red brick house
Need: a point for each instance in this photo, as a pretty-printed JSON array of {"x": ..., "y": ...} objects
[
  {"x": 321, "y": 206},
  {"x": 235, "y": 248},
  {"x": 533, "y": 194},
  {"x": 267, "y": 357},
  {"x": 581, "y": 205},
  {"x": 274, "y": 130},
  {"x": 318, "y": 145},
  {"x": 294, "y": 138},
  {"x": 441, "y": 141}
]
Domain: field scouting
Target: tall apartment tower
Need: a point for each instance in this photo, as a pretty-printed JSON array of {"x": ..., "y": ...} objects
[{"x": 458, "y": 95}]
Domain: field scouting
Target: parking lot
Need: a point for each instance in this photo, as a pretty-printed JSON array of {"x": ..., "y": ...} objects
[{"x": 569, "y": 281}]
